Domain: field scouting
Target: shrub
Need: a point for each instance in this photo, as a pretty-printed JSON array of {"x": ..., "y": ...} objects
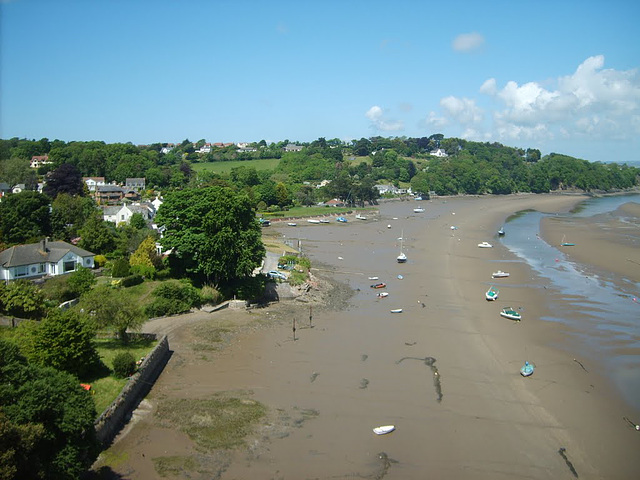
[
  {"x": 146, "y": 271},
  {"x": 124, "y": 365},
  {"x": 99, "y": 261},
  {"x": 210, "y": 295},
  {"x": 132, "y": 280},
  {"x": 120, "y": 268},
  {"x": 161, "y": 307}
]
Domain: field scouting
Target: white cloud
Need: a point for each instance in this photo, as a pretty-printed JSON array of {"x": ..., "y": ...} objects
[
  {"x": 468, "y": 42},
  {"x": 378, "y": 122},
  {"x": 591, "y": 103}
]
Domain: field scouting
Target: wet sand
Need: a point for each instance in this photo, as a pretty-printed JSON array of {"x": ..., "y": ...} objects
[{"x": 445, "y": 371}]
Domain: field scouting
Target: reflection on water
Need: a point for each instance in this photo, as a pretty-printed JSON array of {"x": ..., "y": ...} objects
[{"x": 608, "y": 318}]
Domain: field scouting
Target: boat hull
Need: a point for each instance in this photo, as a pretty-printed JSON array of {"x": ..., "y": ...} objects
[{"x": 383, "y": 430}]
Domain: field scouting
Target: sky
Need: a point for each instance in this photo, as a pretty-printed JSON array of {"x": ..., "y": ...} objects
[{"x": 559, "y": 76}]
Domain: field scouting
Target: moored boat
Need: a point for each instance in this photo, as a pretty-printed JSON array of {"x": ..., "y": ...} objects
[
  {"x": 341, "y": 220},
  {"x": 501, "y": 231},
  {"x": 511, "y": 314},
  {"x": 402, "y": 258},
  {"x": 485, "y": 245},
  {"x": 418, "y": 210},
  {"x": 379, "y": 285},
  {"x": 396, "y": 310},
  {"x": 527, "y": 369},
  {"x": 313, "y": 220},
  {"x": 382, "y": 294},
  {"x": 499, "y": 274},
  {"x": 384, "y": 429},
  {"x": 491, "y": 294}
]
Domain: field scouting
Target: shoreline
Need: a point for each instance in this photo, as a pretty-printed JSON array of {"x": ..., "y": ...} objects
[{"x": 478, "y": 353}]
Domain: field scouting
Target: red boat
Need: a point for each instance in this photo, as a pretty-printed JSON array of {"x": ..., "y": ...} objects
[{"x": 379, "y": 285}]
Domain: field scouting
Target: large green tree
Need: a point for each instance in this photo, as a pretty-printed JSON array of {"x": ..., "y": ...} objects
[
  {"x": 46, "y": 421},
  {"x": 69, "y": 213},
  {"x": 64, "y": 179},
  {"x": 213, "y": 231},
  {"x": 24, "y": 218}
]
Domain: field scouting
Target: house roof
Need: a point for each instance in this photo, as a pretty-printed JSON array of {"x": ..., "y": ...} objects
[{"x": 35, "y": 253}]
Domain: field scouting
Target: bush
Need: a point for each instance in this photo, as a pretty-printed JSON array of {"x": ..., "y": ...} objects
[
  {"x": 124, "y": 365},
  {"x": 146, "y": 271},
  {"x": 210, "y": 295},
  {"x": 120, "y": 268},
  {"x": 99, "y": 261},
  {"x": 162, "y": 307},
  {"x": 132, "y": 280}
]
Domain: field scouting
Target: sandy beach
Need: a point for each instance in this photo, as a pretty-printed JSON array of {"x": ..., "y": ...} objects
[{"x": 445, "y": 371}]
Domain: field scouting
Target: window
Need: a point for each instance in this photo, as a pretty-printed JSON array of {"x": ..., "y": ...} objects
[
  {"x": 69, "y": 266},
  {"x": 41, "y": 268},
  {"x": 21, "y": 271}
]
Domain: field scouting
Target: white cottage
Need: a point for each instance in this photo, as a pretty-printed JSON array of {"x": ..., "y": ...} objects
[{"x": 42, "y": 258}]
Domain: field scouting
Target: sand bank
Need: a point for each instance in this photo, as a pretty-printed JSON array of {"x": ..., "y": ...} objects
[{"x": 445, "y": 371}]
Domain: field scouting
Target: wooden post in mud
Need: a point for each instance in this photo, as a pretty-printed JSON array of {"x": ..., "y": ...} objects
[
  {"x": 310, "y": 316},
  {"x": 294, "y": 330}
]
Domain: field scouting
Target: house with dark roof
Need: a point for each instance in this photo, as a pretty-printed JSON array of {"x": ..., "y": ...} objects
[
  {"x": 43, "y": 258},
  {"x": 108, "y": 194}
]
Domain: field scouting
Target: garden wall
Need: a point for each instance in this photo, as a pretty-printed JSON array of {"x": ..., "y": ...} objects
[{"x": 118, "y": 413}]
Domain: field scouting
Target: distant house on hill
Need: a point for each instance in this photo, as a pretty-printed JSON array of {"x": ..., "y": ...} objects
[
  {"x": 438, "y": 152},
  {"x": 106, "y": 194},
  {"x": 123, "y": 213},
  {"x": 38, "y": 160},
  {"x": 137, "y": 184},
  {"x": 293, "y": 148},
  {"x": 93, "y": 182},
  {"x": 43, "y": 258}
]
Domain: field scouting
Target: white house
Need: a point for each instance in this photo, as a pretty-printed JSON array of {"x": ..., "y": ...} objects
[
  {"x": 156, "y": 202},
  {"x": 438, "y": 152},
  {"x": 123, "y": 213},
  {"x": 42, "y": 258},
  {"x": 39, "y": 160},
  {"x": 93, "y": 182}
]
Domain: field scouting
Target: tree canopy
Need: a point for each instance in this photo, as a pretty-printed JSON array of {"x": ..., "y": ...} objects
[{"x": 213, "y": 231}]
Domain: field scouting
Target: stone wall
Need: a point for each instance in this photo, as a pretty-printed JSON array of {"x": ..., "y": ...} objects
[{"x": 118, "y": 413}]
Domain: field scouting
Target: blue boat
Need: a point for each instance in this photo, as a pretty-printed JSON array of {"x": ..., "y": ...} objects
[
  {"x": 527, "y": 369},
  {"x": 341, "y": 219}
]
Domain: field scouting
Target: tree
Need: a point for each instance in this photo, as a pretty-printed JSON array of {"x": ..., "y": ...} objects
[
  {"x": 214, "y": 232},
  {"x": 24, "y": 217},
  {"x": 137, "y": 221},
  {"x": 63, "y": 340},
  {"x": 68, "y": 215},
  {"x": 17, "y": 170},
  {"x": 80, "y": 281},
  {"x": 64, "y": 179},
  {"x": 46, "y": 420},
  {"x": 112, "y": 308},
  {"x": 23, "y": 299},
  {"x": 96, "y": 236},
  {"x": 145, "y": 260}
]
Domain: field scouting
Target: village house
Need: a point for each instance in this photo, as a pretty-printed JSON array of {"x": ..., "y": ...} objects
[
  {"x": 137, "y": 184},
  {"x": 93, "y": 182},
  {"x": 108, "y": 194},
  {"x": 123, "y": 213},
  {"x": 43, "y": 258},
  {"x": 293, "y": 148},
  {"x": 438, "y": 152},
  {"x": 38, "y": 160}
]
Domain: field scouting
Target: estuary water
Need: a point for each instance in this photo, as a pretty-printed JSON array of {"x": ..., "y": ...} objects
[{"x": 607, "y": 328}]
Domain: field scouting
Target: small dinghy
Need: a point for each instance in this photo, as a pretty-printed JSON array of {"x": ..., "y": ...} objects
[
  {"x": 527, "y": 369},
  {"x": 292, "y": 224},
  {"x": 396, "y": 310},
  {"x": 373, "y": 278},
  {"x": 382, "y": 294},
  {"x": 418, "y": 210},
  {"x": 379, "y": 285},
  {"x": 383, "y": 430},
  {"x": 313, "y": 220},
  {"x": 501, "y": 231},
  {"x": 511, "y": 314},
  {"x": 499, "y": 274},
  {"x": 485, "y": 245},
  {"x": 491, "y": 294}
]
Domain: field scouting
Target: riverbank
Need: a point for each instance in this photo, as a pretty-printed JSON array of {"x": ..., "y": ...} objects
[{"x": 445, "y": 371}]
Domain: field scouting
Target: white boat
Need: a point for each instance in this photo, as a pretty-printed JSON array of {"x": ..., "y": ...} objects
[
  {"x": 324, "y": 220},
  {"x": 491, "y": 294},
  {"x": 360, "y": 217},
  {"x": 499, "y": 274},
  {"x": 527, "y": 369},
  {"x": 402, "y": 258},
  {"x": 382, "y": 294},
  {"x": 485, "y": 245},
  {"x": 418, "y": 210},
  {"x": 501, "y": 231},
  {"x": 373, "y": 278},
  {"x": 383, "y": 430},
  {"x": 389, "y": 226},
  {"x": 312, "y": 220},
  {"x": 511, "y": 314},
  {"x": 292, "y": 224},
  {"x": 396, "y": 310}
]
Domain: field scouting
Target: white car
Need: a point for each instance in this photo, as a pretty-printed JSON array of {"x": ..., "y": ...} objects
[{"x": 276, "y": 274}]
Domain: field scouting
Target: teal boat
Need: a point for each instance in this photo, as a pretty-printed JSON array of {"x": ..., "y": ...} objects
[
  {"x": 491, "y": 294},
  {"x": 511, "y": 314},
  {"x": 527, "y": 369}
]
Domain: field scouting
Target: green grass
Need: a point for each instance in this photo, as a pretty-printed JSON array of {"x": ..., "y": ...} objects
[
  {"x": 224, "y": 168},
  {"x": 106, "y": 388},
  {"x": 314, "y": 211}
]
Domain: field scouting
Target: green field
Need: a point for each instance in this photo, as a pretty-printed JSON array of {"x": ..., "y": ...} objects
[{"x": 224, "y": 168}]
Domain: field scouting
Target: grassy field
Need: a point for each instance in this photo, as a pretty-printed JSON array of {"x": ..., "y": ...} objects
[{"x": 224, "y": 168}]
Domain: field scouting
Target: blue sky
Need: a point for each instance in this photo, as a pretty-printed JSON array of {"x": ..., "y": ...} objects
[{"x": 561, "y": 76}]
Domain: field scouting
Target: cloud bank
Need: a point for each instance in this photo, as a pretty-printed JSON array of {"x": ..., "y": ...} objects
[
  {"x": 592, "y": 103},
  {"x": 378, "y": 121}
]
